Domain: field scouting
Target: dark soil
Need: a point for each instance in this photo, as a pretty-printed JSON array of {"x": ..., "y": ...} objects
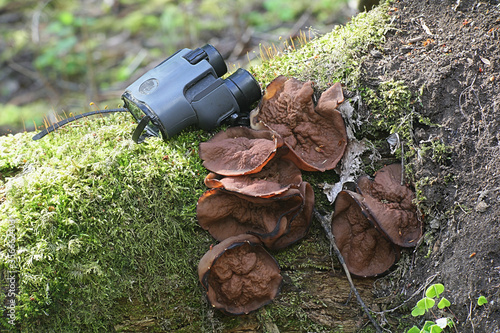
[{"x": 449, "y": 51}]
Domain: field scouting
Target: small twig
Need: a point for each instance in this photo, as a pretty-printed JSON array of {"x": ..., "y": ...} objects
[
  {"x": 427, "y": 282},
  {"x": 402, "y": 164},
  {"x": 35, "y": 22},
  {"x": 331, "y": 238},
  {"x": 429, "y": 58},
  {"x": 416, "y": 39},
  {"x": 470, "y": 318},
  {"x": 425, "y": 27},
  {"x": 478, "y": 101}
]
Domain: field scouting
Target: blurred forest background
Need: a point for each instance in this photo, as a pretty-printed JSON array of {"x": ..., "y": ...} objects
[{"x": 61, "y": 57}]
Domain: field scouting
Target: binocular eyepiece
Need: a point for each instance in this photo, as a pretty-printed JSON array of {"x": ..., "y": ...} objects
[{"x": 187, "y": 89}]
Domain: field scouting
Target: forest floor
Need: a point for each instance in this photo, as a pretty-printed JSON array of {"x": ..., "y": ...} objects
[{"x": 449, "y": 52}]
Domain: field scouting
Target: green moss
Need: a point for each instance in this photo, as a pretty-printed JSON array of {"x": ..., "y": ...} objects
[
  {"x": 99, "y": 218},
  {"x": 311, "y": 253},
  {"x": 317, "y": 179},
  {"x": 333, "y": 57},
  {"x": 436, "y": 150},
  {"x": 288, "y": 314},
  {"x": 390, "y": 110}
]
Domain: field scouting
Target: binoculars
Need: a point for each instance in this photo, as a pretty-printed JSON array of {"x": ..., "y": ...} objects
[
  {"x": 183, "y": 90},
  {"x": 187, "y": 89}
]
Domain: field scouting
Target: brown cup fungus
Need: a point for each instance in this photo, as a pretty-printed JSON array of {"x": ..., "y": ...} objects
[
  {"x": 257, "y": 196},
  {"x": 225, "y": 214},
  {"x": 365, "y": 250},
  {"x": 239, "y": 275},
  {"x": 239, "y": 151},
  {"x": 276, "y": 177},
  {"x": 298, "y": 227},
  {"x": 391, "y": 206},
  {"x": 316, "y": 135}
]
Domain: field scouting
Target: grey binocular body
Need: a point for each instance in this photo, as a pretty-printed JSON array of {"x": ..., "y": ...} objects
[{"x": 187, "y": 89}]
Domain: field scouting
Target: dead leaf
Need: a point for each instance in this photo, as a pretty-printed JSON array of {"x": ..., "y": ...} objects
[
  {"x": 485, "y": 61},
  {"x": 425, "y": 27}
]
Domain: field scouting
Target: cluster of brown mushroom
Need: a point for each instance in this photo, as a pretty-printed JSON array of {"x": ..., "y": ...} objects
[
  {"x": 256, "y": 195},
  {"x": 371, "y": 224}
]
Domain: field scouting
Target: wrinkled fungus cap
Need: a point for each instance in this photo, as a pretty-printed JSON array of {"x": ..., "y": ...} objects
[
  {"x": 316, "y": 135},
  {"x": 276, "y": 177},
  {"x": 391, "y": 205},
  {"x": 239, "y": 275},
  {"x": 299, "y": 226},
  {"x": 365, "y": 250},
  {"x": 225, "y": 214},
  {"x": 239, "y": 151}
]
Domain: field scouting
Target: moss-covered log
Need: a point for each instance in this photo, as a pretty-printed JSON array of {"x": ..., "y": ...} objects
[{"x": 100, "y": 233}]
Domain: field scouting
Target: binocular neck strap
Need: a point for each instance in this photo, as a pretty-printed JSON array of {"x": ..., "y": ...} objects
[
  {"x": 70, "y": 119},
  {"x": 137, "y": 135}
]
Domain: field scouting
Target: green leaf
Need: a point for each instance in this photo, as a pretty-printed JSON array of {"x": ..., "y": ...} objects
[
  {"x": 426, "y": 303},
  {"x": 66, "y": 18},
  {"x": 443, "y": 303},
  {"x": 434, "y": 290},
  {"x": 417, "y": 312},
  {"x": 481, "y": 300},
  {"x": 414, "y": 329},
  {"x": 427, "y": 326},
  {"x": 435, "y": 329}
]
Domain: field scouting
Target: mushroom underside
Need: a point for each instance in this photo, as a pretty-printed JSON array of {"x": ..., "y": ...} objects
[
  {"x": 225, "y": 214},
  {"x": 276, "y": 177},
  {"x": 239, "y": 151},
  {"x": 365, "y": 250},
  {"x": 391, "y": 205}
]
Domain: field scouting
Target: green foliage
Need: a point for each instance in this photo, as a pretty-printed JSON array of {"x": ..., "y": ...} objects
[
  {"x": 290, "y": 10},
  {"x": 423, "y": 306},
  {"x": 434, "y": 290},
  {"x": 283, "y": 9},
  {"x": 426, "y": 304},
  {"x": 84, "y": 48},
  {"x": 23, "y": 115},
  {"x": 482, "y": 301},
  {"x": 59, "y": 58},
  {"x": 71, "y": 38},
  {"x": 429, "y": 327},
  {"x": 443, "y": 303}
]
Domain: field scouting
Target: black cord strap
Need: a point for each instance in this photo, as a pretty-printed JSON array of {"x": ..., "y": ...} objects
[{"x": 55, "y": 126}]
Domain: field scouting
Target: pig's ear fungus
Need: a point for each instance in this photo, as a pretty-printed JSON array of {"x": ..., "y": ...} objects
[
  {"x": 299, "y": 226},
  {"x": 366, "y": 250},
  {"x": 391, "y": 206},
  {"x": 316, "y": 135},
  {"x": 225, "y": 214},
  {"x": 239, "y": 275},
  {"x": 275, "y": 178},
  {"x": 239, "y": 151}
]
